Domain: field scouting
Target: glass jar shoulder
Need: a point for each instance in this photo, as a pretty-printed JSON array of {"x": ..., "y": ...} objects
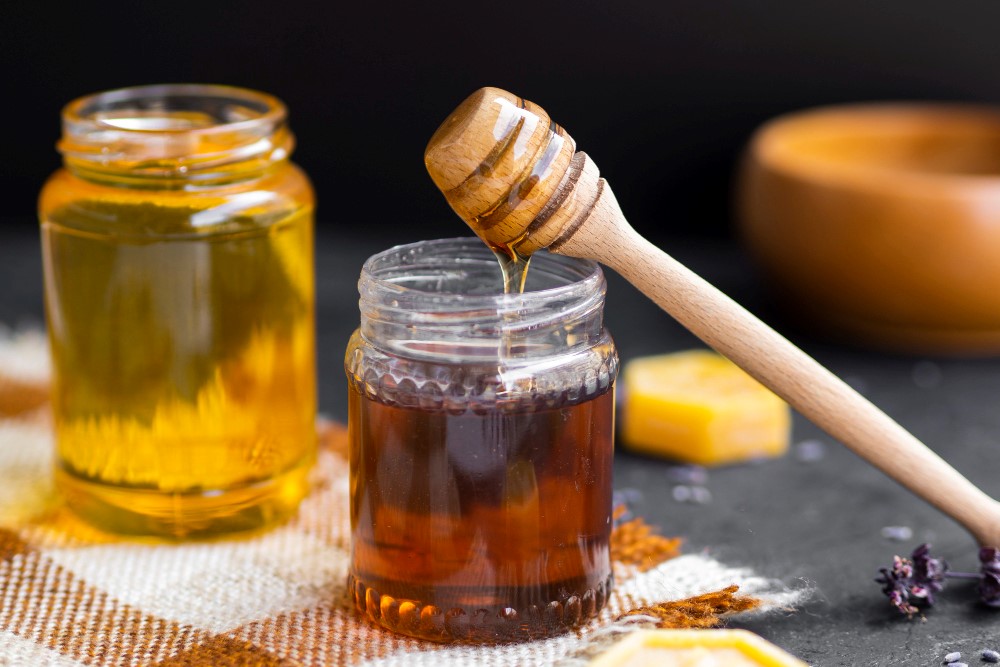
[
  {"x": 88, "y": 206},
  {"x": 564, "y": 377}
]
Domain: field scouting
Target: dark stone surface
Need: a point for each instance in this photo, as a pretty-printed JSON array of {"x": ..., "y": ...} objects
[{"x": 810, "y": 525}]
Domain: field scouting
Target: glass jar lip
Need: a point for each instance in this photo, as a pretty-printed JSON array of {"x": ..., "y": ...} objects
[
  {"x": 443, "y": 300},
  {"x": 581, "y": 276},
  {"x": 78, "y": 115},
  {"x": 175, "y": 135}
]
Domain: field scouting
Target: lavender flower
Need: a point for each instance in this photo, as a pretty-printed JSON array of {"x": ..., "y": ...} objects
[
  {"x": 989, "y": 584},
  {"x": 912, "y": 582},
  {"x": 928, "y": 573},
  {"x": 896, "y": 583}
]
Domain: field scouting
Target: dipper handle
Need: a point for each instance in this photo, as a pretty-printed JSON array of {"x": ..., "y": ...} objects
[
  {"x": 605, "y": 236},
  {"x": 512, "y": 175}
]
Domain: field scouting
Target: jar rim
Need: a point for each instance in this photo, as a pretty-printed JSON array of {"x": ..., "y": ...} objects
[
  {"x": 78, "y": 114},
  {"x": 189, "y": 133},
  {"x": 578, "y": 274}
]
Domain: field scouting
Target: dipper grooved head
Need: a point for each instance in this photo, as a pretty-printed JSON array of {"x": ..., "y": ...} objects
[{"x": 500, "y": 160}]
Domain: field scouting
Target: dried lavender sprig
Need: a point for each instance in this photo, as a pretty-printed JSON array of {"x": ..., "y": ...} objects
[{"x": 912, "y": 582}]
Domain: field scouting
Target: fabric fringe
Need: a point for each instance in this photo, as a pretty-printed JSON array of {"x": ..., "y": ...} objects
[{"x": 635, "y": 542}]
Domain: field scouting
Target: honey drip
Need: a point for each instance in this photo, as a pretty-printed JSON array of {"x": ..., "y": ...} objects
[{"x": 514, "y": 268}]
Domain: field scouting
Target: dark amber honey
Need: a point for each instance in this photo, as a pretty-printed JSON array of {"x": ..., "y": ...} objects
[{"x": 484, "y": 524}]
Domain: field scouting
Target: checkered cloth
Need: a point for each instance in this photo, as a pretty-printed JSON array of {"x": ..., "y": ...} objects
[{"x": 70, "y": 595}]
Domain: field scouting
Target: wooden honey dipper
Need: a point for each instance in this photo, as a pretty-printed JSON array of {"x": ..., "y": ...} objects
[{"x": 515, "y": 177}]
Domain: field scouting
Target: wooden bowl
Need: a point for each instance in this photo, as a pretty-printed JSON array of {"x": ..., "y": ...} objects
[{"x": 881, "y": 223}]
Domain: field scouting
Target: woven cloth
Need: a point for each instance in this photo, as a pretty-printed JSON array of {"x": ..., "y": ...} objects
[{"x": 70, "y": 595}]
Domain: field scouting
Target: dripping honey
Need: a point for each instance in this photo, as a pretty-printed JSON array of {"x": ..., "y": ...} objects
[{"x": 513, "y": 268}]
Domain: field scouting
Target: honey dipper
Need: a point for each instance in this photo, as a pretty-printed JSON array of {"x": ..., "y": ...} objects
[{"x": 515, "y": 177}]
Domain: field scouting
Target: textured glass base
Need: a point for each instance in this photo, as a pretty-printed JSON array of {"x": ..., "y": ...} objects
[{"x": 474, "y": 624}]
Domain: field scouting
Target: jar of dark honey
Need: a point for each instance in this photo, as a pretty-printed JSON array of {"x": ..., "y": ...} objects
[
  {"x": 481, "y": 440},
  {"x": 177, "y": 242}
]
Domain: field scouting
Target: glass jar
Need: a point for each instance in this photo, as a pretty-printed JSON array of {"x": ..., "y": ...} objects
[
  {"x": 177, "y": 248},
  {"x": 481, "y": 441}
]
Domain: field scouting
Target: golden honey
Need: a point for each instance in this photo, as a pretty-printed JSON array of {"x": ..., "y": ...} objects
[{"x": 177, "y": 247}]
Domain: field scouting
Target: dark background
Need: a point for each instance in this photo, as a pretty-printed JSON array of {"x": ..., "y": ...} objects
[{"x": 663, "y": 95}]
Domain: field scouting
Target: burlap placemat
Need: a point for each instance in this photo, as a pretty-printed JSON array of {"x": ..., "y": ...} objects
[{"x": 70, "y": 595}]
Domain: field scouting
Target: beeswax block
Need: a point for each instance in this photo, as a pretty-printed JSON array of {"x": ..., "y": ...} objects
[
  {"x": 697, "y": 406},
  {"x": 695, "y": 648}
]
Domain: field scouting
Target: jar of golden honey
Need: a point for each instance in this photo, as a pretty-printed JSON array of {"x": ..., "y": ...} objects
[
  {"x": 177, "y": 243},
  {"x": 481, "y": 429}
]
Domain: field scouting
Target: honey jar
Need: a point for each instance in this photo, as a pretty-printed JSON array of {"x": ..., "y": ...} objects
[
  {"x": 481, "y": 440},
  {"x": 177, "y": 248}
]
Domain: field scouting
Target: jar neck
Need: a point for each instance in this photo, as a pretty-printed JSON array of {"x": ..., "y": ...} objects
[
  {"x": 443, "y": 301},
  {"x": 175, "y": 136}
]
